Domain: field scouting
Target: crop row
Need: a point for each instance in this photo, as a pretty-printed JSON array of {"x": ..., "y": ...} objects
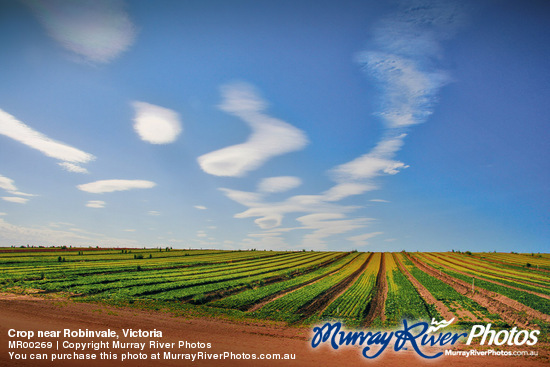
[
  {"x": 477, "y": 267},
  {"x": 353, "y": 303},
  {"x": 289, "y": 306},
  {"x": 135, "y": 288},
  {"x": 232, "y": 284},
  {"x": 77, "y": 269},
  {"x": 443, "y": 292},
  {"x": 403, "y": 300},
  {"x": 249, "y": 297},
  {"x": 99, "y": 282}
]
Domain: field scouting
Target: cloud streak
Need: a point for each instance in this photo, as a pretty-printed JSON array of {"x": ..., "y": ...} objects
[
  {"x": 270, "y": 136},
  {"x": 15, "y": 199},
  {"x": 155, "y": 124},
  {"x": 279, "y": 184},
  {"x": 104, "y": 186},
  {"x": 97, "y": 30},
  {"x": 361, "y": 240},
  {"x": 401, "y": 61},
  {"x": 9, "y": 185},
  {"x": 19, "y": 235},
  {"x": 71, "y": 157},
  {"x": 97, "y": 204}
]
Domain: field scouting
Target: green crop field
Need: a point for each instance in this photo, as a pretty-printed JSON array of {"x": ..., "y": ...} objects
[{"x": 356, "y": 288}]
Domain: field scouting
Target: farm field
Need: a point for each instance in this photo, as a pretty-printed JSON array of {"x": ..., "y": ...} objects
[{"x": 360, "y": 289}]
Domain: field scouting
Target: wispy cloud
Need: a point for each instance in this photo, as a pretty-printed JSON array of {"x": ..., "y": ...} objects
[
  {"x": 328, "y": 224},
  {"x": 361, "y": 240},
  {"x": 153, "y": 213},
  {"x": 103, "y": 186},
  {"x": 200, "y": 207},
  {"x": 270, "y": 136},
  {"x": 9, "y": 185},
  {"x": 379, "y": 201},
  {"x": 16, "y": 234},
  {"x": 71, "y": 167},
  {"x": 375, "y": 163},
  {"x": 98, "y": 30},
  {"x": 279, "y": 184},
  {"x": 71, "y": 157},
  {"x": 409, "y": 92},
  {"x": 402, "y": 62},
  {"x": 98, "y": 204},
  {"x": 155, "y": 124},
  {"x": 15, "y": 199},
  {"x": 270, "y": 214}
]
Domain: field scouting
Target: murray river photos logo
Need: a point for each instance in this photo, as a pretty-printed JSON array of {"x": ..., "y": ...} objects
[{"x": 418, "y": 336}]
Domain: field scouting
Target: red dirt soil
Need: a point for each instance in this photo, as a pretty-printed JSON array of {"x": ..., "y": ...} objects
[{"x": 34, "y": 313}]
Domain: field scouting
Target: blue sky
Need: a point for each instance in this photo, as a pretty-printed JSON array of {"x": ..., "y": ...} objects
[{"x": 377, "y": 126}]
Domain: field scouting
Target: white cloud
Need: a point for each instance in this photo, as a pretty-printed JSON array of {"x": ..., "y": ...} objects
[
  {"x": 279, "y": 184},
  {"x": 409, "y": 83},
  {"x": 379, "y": 200},
  {"x": 15, "y": 199},
  {"x": 71, "y": 167},
  {"x": 60, "y": 224},
  {"x": 409, "y": 92},
  {"x": 326, "y": 225},
  {"x": 201, "y": 234},
  {"x": 98, "y": 30},
  {"x": 153, "y": 213},
  {"x": 361, "y": 240},
  {"x": 200, "y": 207},
  {"x": 155, "y": 124},
  {"x": 96, "y": 204},
  {"x": 14, "y": 234},
  {"x": 15, "y": 129},
  {"x": 375, "y": 163},
  {"x": 270, "y": 215},
  {"x": 343, "y": 190},
  {"x": 367, "y": 167},
  {"x": 99, "y": 187},
  {"x": 19, "y": 193},
  {"x": 270, "y": 136},
  {"x": 408, "y": 47},
  {"x": 129, "y": 230},
  {"x": 7, "y": 184},
  {"x": 2, "y": 213}
]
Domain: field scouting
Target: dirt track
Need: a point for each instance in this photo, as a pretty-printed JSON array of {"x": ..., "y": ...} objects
[{"x": 31, "y": 313}]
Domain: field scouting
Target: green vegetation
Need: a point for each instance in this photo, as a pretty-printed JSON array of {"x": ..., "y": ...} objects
[{"x": 291, "y": 286}]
